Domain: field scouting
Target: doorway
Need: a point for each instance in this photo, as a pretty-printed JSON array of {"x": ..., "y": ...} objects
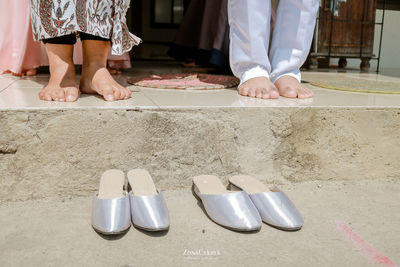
[{"x": 156, "y": 22}]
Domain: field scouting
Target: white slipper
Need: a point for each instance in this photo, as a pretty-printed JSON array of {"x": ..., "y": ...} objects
[
  {"x": 148, "y": 208},
  {"x": 110, "y": 212},
  {"x": 233, "y": 210},
  {"x": 274, "y": 206}
]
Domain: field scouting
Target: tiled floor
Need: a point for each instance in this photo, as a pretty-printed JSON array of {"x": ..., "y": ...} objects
[{"x": 22, "y": 93}]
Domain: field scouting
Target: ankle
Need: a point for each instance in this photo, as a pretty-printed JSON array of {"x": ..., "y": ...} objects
[
  {"x": 61, "y": 69},
  {"x": 91, "y": 68}
]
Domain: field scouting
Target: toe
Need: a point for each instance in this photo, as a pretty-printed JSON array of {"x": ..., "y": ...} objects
[
  {"x": 118, "y": 93},
  {"x": 274, "y": 94},
  {"x": 123, "y": 94},
  {"x": 108, "y": 94},
  {"x": 252, "y": 92},
  {"x": 304, "y": 92},
  {"x": 260, "y": 92},
  {"x": 128, "y": 93},
  {"x": 243, "y": 91},
  {"x": 71, "y": 94},
  {"x": 310, "y": 92},
  {"x": 58, "y": 95},
  {"x": 288, "y": 92},
  {"x": 266, "y": 95},
  {"x": 43, "y": 95}
]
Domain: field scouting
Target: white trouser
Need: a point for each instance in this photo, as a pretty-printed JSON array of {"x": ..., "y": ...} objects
[{"x": 250, "y": 27}]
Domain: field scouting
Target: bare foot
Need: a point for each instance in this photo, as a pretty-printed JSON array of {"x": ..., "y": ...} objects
[
  {"x": 31, "y": 72},
  {"x": 62, "y": 84},
  {"x": 259, "y": 87},
  {"x": 18, "y": 74},
  {"x": 289, "y": 86},
  {"x": 114, "y": 71},
  {"x": 96, "y": 79}
]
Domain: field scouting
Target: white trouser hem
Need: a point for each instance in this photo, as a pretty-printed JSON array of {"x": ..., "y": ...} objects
[
  {"x": 294, "y": 74},
  {"x": 253, "y": 73}
]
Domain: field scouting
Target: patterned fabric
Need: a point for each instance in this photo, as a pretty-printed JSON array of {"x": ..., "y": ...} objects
[{"x": 104, "y": 18}]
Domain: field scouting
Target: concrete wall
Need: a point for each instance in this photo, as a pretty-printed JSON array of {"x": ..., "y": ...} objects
[{"x": 63, "y": 153}]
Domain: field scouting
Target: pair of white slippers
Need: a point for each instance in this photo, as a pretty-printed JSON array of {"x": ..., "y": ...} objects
[
  {"x": 243, "y": 208},
  {"x": 247, "y": 204},
  {"x": 114, "y": 207}
]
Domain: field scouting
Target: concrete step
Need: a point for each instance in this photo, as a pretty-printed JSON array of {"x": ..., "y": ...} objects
[
  {"x": 352, "y": 223},
  {"x": 62, "y": 152},
  {"x": 50, "y": 149}
]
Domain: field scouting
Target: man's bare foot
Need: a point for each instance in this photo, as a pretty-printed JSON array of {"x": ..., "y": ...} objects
[
  {"x": 96, "y": 79},
  {"x": 259, "y": 87},
  {"x": 289, "y": 86},
  {"x": 62, "y": 84}
]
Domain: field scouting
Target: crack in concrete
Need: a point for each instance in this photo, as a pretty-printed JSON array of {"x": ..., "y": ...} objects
[{"x": 7, "y": 149}]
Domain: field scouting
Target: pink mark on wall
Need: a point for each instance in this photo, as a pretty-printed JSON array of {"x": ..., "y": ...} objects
[{"x": 363, "y": 245}]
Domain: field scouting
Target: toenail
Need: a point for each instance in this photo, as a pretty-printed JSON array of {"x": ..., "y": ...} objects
[
  {"x": 70, "y": 98},
  {"x": 110, "y": 97}
]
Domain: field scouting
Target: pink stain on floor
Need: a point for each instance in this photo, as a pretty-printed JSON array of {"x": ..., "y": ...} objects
[{"x": 363, "y": 246}]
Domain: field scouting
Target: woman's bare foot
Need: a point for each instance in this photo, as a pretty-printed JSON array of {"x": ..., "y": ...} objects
[
  {"x": 96, "y": 79},
  {"x": 31, "y": 72},
  {"x": 289, "y": 86},
  {"x": 17, "y": 74},
  {"x": 259, "y": 87},
  {"x": 62, "y": 84},
  {"x": 114, "y": 71}
]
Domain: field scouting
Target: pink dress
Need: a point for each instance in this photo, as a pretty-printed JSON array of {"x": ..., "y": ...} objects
[{"x": 19, "y": 52}]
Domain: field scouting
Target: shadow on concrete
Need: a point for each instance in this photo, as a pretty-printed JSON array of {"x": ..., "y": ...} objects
[
  {"x": 112, "y": 237},
  {"x": 153, "y": 233}
]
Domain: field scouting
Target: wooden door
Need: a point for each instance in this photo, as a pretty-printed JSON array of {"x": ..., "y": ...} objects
[{"x": 352, "y": 32}]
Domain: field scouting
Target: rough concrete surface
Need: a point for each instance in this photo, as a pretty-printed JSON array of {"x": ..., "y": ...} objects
[
  {"x": 57, "y": 232},
  {"x": 49, "y": 153}
]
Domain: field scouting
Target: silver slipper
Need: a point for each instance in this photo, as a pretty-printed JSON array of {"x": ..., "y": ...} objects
[
  {"x": 233, "y": 210},
  {"x": 148, "y": 208},
  {"x": 274, "y": 206},
  {"x": 111, "y": 209}
]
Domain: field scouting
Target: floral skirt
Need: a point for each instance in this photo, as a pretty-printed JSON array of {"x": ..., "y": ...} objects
[{"x": 104, "y": 18}]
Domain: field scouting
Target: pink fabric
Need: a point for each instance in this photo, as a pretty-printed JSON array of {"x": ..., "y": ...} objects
[
  {"x": 119, "y": 62},
  {"x": 179, "y": 83},
  {"x": 19, "y": 52}
]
